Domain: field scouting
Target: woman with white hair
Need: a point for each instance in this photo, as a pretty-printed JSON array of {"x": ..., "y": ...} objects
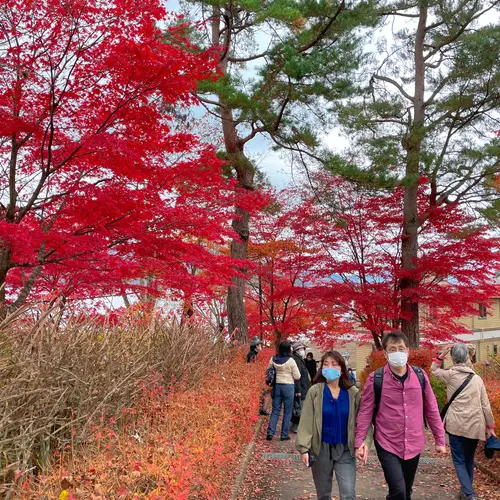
[{"x": 467, "y": 416}]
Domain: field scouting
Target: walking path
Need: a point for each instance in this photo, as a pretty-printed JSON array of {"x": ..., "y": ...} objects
[{"x": 275, "y": 472}]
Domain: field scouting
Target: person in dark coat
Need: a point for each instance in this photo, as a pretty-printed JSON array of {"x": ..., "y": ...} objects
[
  {"x": 301, "y": 386},
  {"x": 255, "y": 348},
  {"x": 311, "y": 365}
]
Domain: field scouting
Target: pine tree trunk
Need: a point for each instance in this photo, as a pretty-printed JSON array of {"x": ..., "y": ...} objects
[
  {"x": 413, "y": 145},
  {"x": 236, "y": 313}
]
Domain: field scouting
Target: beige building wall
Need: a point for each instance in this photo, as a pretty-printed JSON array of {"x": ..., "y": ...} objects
[
  {"x": 363, "y": 351},
  {"x": 492, "y": 320},
  {"x": 487, "y": 348}
]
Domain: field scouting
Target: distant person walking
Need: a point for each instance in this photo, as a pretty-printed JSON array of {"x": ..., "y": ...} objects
[
  {"x": 311, "y": 365},
  {"x": 397, "y": 398},
  {"x": 327, "y": 429},
  {"x": 467, "y": 417},
  {"x": 287, "y": 373},
  {"x": 301, "y": 386}
]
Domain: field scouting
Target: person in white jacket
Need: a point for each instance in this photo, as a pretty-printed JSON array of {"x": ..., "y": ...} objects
[{"x": 287, "y": 372}]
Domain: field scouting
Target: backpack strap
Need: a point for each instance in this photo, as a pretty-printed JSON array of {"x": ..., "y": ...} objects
[
  {"x": 378, "y": 380},
  {"x": 421, "y": 378}
]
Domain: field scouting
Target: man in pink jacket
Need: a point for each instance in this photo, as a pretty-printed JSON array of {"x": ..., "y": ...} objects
[{"x": 396, "y": 399}]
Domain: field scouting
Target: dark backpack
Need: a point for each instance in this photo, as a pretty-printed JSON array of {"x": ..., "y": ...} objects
[
  {"x": 378, "y": 380},
  {"x": 271, "y": 376}
]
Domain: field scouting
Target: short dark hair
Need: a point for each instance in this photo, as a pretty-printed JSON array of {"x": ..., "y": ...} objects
[
  {"x": 391, "y": 337},
  {"x": 284, "y": 348}
]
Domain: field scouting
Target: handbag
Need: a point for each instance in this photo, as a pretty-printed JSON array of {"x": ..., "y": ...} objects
[
  {"x": 296, "y": 410},
  {"x": 271, "y": 376},
  {"x": 455, "y": 394}
]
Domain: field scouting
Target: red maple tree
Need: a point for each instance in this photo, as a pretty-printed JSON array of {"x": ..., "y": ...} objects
[
  {"x": 282, "y": 256},
  {"x": 98, "y": 189},
  {"x": 358, "y": 268}
]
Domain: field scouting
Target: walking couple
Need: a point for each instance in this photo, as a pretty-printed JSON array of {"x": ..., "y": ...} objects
[{"x": 337, "y": 424}]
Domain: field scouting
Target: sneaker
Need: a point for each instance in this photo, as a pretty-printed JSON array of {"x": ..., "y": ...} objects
[
  {"x": 472, "y": 497},
  {"x": 264, "y": 412},
  {"x": 286, "y": 438},
  {"x": 269, "y": 437}
]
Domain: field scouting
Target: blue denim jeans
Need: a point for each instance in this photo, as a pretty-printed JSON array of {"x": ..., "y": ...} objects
[
  {"x": 283, "y": 394},
  {"x": 462, "y": 451}
]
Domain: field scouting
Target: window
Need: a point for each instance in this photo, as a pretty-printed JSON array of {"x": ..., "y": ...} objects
[
  {"x": 495, "y": 350},
  {"x": 483, "y": 312}
]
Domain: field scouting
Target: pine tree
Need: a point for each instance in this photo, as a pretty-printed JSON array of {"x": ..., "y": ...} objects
[
  {"x": 302, "y": 55},
  {"x": 429, "y": 109}
]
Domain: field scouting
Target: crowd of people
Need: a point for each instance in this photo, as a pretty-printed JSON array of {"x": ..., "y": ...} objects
[{"x": 336, "y": 424}]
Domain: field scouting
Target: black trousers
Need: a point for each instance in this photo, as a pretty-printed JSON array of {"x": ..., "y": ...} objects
[{"x": 399, "y": 474}]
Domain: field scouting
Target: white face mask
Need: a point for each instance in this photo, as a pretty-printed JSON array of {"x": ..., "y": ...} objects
[
  {"x": 301, "y": 353},
  {"x": 397, "y": 359}
]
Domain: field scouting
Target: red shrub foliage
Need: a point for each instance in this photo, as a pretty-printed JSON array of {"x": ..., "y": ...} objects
[
  {"x": 493, "y": 465},
  {"x": 418, "y": 357},
  {"x": 178, "y": 445},
  {"x": 493, "y": 388}
]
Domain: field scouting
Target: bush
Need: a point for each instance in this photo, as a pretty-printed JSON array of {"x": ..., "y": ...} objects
[
  {"x": 493, "y": 465},
  {"x": 58, "y": 384},
  {"x": 493, "y": 388},
  {"x": 439, "y": 388},
  {"x": 178, "y": 445},
  {"x": 418, "y": 357},
  {"x": 490, "y": 369}
]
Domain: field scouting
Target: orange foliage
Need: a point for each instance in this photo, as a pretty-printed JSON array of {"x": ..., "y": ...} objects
[
  {"x": 418, "y": 357},
  {"x": 177, "y": 445},
  {"x": 493, "y": 388}
]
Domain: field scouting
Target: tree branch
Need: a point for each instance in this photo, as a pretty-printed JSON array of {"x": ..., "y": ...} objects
[
  {"x": 395, "y": 84},
  {"x": 323, "y": 32}
]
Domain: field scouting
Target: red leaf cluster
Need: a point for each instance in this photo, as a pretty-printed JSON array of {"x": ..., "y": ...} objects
[
  {"x": 282, "y": 256},
  {"x": 354, "y": 237},
  {"x": 99, "y": 186}
]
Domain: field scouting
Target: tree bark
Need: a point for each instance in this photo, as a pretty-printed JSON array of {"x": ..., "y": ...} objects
[
  {"x": 5, "y": 262},
  {"x": 376, "y": 340},
  {"x": 236, "y": 313},
  {"x": 413, "y": 144}
]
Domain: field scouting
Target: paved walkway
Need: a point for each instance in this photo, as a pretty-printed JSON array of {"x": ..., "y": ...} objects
[{"x": 275, "y": 472}]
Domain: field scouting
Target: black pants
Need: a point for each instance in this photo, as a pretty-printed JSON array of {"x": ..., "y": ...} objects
[{"x": 399, "y": 474}]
